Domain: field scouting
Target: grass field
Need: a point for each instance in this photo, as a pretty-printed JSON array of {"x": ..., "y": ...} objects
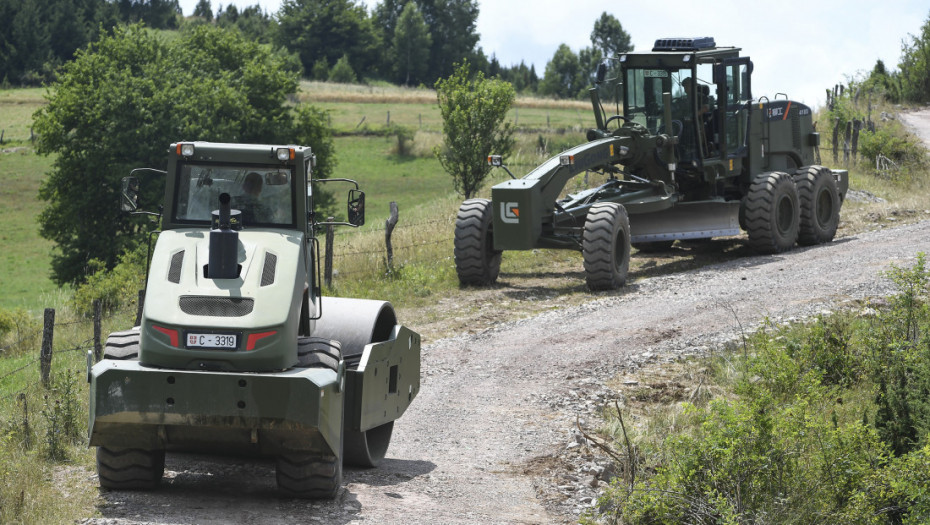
[{"x": 359, "y": 115}]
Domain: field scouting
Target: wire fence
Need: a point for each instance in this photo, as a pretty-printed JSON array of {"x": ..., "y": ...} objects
[{"x": 39, "y": 366}]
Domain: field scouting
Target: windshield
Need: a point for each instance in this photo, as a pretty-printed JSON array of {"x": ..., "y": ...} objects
[
  {"x": 264, "y": 194},
  {"x": 644, "y": 104}
]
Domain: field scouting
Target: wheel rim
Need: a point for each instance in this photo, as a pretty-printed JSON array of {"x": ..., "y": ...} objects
[
  {"x": 619, "y": 251},
  {"x": 824, "y": 207},
  {"x": 785, "y": 214}
]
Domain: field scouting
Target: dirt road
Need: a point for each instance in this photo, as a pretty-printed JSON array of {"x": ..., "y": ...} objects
[
  {"x": 491, "y": 437},
  {"x": 494, "y": 420}
]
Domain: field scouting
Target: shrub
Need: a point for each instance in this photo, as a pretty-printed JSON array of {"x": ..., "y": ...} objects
[
  {"x": 900, "y": 348},
  {"x": 116, "y": 287},
  {"x": 894, "y": 145},
  {"x": 342, "y": 72}
]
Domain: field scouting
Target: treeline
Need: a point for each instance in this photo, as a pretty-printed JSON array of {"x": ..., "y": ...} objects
[
  {"x": 38, "y": 36},
  {"x": 406, "y": 42}
]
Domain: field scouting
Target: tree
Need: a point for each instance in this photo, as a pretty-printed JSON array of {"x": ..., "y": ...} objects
[
  {"x": 254, "y": 23},
  {"x": 411, "y": 45},
  {"x": 124, "y": 99},
  {"x": 915, "y": 66},
  {"x": 329, "y": 29},
  {"x": 36, "y": 36},
  {"x": 453, "y": 24},
  {"x": 609, "y": 37},
  {"x": 563, "y": 78},
  {"x": 342, "y": 72},
  {"x": 204, "y": 10},
  {"x": 158, "y": 14},
  {"x": 473, "y": 113}
]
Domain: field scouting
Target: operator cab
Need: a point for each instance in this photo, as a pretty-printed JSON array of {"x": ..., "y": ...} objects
[
  {"x": 263, "y": 194},
  {"x": 710, "y": 92}
]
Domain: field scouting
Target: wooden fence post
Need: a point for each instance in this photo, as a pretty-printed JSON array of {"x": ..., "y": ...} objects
[
  {"x": 388, "y": 230},
  {"x": 139, "y": 309},
  {"x": 98, "y": 315},
  {"x": 328, "y": 254},
  {"x": 846, "y": 138},
  {"x": 45, "y": 355},
  {"x": 857, "y": 125},
  {"x": 388, "y": 118},
  {"x": 836, "y": 143}
]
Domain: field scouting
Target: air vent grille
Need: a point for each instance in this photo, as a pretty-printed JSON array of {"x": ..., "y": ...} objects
[
  {"x": 271, "y": 263},
  {"x": 216, "y": 306},
  {"x": 174, "y": 270}
]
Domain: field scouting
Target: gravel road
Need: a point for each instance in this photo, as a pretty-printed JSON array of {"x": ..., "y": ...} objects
[{"x": 491, "y": 437}]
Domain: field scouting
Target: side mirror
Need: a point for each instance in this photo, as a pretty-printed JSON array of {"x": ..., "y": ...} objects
[
  {"x": 129, "y": 196},
  {"x": 356, "y": 210},
  {"x": 601, "y": 72}
]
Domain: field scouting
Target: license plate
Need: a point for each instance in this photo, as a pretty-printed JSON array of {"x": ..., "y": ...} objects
[{"x": 211, "y": 341}]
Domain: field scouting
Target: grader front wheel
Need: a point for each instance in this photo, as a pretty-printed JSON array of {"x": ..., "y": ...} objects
[
  {"x": 477, "y": 263},
  {"x": 606, "y": 246}
]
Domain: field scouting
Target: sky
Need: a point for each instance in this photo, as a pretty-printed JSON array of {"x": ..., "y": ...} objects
[{"x": 798, "y": 47}]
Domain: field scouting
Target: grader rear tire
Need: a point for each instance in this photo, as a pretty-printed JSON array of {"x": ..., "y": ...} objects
[
  {"x": 820, "y": 205},
  {"x": 605, "y": 246},
  {"x": 772, "y": 213},
  {"x": 477, "y": 263},
  {"x": 129, "y": 468}
]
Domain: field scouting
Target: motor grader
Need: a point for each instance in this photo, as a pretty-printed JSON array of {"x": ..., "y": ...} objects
[
  {"x": 237, "y": 351},
  {"x": 687, "y": 153}
]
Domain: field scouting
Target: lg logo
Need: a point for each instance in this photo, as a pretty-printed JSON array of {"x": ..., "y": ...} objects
[{"x": 510, "y": 212}]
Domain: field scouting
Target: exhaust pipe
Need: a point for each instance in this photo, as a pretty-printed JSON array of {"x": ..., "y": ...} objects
[{"x": 224, "y": 243}]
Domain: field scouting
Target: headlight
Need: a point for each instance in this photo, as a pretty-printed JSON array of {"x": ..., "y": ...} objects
[
  {"x": 285, "y": 154},
  {"x": 186, "y": 150}
]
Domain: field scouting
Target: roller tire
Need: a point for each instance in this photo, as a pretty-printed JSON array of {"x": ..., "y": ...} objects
[
  {"x": 308, "y": 475},
  {"x": 130, "y": 468},
  {"x": 820, "y": 205},
  {"x": 772, "y": 213},
  {"x": 653, "y": 246},
  {"x": 477, "y": 263},
  {"x": 318, "y": 352},
  {"x": 606, "y": 246},
  {"x": 122, "y": 346},
  {"x": 368, "y": 448}
]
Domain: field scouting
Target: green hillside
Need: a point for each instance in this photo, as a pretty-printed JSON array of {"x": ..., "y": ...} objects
[{"x": 366, "y": 146}]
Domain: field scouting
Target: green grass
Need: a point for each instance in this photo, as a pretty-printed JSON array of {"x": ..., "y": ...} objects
[
  {"x": 16, "y": 109},
  {"x": 386, "y": 176},
  {"x": 25, "y": 259}
]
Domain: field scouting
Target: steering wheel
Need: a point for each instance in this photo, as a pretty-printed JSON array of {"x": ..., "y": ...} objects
[{"x": 616, "y": 117}]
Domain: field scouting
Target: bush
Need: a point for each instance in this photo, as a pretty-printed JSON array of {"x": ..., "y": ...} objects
[
  {"x": 894, "y": 145},
  {"x": 342, "y": 72},
  {"x": 18, "y": 330},
  {"x": 63, "y": 416},
  {"x": 115, "y": 288},
  {"x": 790, "y": 441},
  {"x": 900, "y": 347}
]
